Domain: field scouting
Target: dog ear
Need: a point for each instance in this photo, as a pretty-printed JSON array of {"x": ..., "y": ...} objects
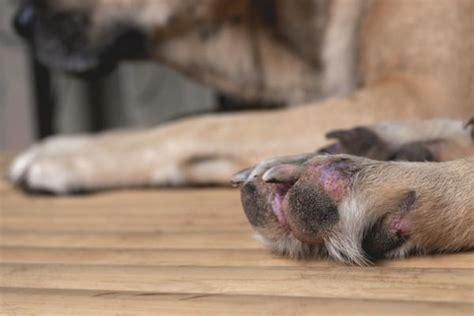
[{"x": 392, "y": 230}]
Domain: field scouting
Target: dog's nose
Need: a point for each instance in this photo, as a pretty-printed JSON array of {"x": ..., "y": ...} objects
[{"x": 23, "y": 20}]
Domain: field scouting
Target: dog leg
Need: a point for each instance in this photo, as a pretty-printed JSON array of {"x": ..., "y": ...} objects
[{"x": 203, "y": 150}]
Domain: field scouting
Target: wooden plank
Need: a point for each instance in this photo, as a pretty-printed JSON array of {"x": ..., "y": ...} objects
[
  {"x": 48, "y": 207},
  {"x": 37, "y": 208},
  {"x": 123, "y": 224},
  {"x": 162, "y": 257},
  {"x": 40, "y": 208},
  {"x": 147, "y": 213},
  {"x": 217, "y": 210},
  {"x": 76, "y": 302},
  {"x": 407, "y": 284},
  {"x": 209, "y": 258},
  {"x": 149, "y": 200},
  {"x": 141, "y": 240}
]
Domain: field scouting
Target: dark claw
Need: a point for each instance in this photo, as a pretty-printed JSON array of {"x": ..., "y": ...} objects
[
  {"x": 240, "y": 177},
  {"x": 470, "y": 124},
  {"x": 332, "y": 149}
]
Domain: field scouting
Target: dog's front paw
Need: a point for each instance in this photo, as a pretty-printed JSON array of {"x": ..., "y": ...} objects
[
  {"x": 167, "y": 156},
  {"x": 336, "y": 205},
  {"x": 50, "y": 166}
]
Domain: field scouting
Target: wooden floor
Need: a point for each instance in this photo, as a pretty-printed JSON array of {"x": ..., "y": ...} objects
[{"x": 175, "y": 252}]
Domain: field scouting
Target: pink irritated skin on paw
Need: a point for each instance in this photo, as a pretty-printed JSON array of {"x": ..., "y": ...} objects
[
  {"x": 277, "y": 208},
  {"x": 277, "y": 201},
  {"x": 328, "y": 175},
  {"x": 332, "y": 179},
  {"x": 398, "y": 224}
]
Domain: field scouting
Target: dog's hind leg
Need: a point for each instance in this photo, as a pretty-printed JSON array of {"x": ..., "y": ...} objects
[{"x": 429, "y": 140}]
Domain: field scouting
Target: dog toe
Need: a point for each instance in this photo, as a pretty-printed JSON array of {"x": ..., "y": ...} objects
[
  {"x": 240, "y": 177},
  {"x": 48, "y": 166},
  {"x": 359, "y": 141}
]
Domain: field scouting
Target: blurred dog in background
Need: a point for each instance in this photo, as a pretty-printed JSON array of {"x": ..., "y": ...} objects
[{"x": 334, "y": 64}]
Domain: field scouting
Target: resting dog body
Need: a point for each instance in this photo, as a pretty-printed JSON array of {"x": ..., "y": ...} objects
[{"x": 341, "y": 63}]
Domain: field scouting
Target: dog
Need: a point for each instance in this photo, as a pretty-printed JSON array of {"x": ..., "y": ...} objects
[{"x": 334, "y": 64}]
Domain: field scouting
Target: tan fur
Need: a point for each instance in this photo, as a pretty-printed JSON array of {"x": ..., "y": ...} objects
[
  {"x": 443, "y": 218},
  {"x": 414, "y": 59}
]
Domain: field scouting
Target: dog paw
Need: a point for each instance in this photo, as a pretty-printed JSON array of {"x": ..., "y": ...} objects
[
  {"x": 313, "y": 205},
  {"x": 49, "y": 166},
  {"x": 122, "y": 159},
  {"x": 432, "y": 140}
]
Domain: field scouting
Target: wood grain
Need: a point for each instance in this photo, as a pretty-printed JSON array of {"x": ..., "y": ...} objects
[
  {"x": 201, "y": 257},
  {"x": 342, "y": 282},
  {"x": 191, "y": 252},
  {"x": 73, "y": 302}
]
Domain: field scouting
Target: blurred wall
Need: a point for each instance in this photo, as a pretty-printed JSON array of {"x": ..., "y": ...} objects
[
  {"x": 137, "y": 94},
  {"x": 16, "y": 121}
]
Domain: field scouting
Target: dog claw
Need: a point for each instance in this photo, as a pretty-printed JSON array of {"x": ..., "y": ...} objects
[
  {"x": 470, "y": 124},
  {"x": 240, "y": 177},
  {"x": 283, "y": 174}
]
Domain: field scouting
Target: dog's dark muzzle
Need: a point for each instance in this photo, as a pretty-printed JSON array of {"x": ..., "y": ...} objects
[
  {"x": 64, "y": 40},
  {"x": 23, "y": 21}
]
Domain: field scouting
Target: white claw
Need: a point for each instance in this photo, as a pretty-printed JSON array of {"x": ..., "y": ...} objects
[
  {"x": 240, "y": 177},
  {"x": 283, "y": 174}
]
